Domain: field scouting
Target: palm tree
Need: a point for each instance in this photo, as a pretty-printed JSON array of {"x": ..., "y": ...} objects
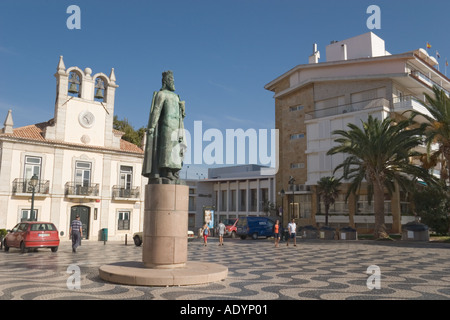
[
  {"x": 437, "y": 130},
  {"x": 380, "y": 154},
  {"x": 328, "y": 190}
]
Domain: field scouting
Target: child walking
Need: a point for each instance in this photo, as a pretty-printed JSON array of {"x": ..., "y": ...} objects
[{"x": 205, "y": 234}]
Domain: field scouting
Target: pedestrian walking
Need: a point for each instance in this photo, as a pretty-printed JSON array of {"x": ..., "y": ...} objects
[
  {"x": 276, "y": 232},
  {"x": 205, "y": 234},
  {"x": 76, "y": 232},
  {"x": 292, "y": 228},
  {"x": 221, "y": 229}
]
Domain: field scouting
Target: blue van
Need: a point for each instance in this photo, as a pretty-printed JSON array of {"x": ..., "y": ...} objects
[{"x": 254, "y": 227}]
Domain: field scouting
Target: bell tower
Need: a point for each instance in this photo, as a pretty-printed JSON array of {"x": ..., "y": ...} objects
[{"x": 84, "y": 107}]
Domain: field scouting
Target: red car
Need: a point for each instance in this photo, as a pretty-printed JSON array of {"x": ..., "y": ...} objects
[
  {"x": 31, "y": 234},
  {"x": 230, "y": 227}
]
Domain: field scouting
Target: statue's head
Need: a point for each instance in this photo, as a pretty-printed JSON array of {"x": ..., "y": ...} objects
[{"x": 167, "y": 81}]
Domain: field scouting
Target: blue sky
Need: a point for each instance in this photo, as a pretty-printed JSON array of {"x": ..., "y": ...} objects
[{"x": 222, "y": 52}]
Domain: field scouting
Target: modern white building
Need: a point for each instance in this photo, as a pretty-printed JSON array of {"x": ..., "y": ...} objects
[
  {"x": 82, "y": 165},
  {"x": 359, "y": 78},
  {"x": 365, "y": 80},
  {"x": 233, "y": 192}
]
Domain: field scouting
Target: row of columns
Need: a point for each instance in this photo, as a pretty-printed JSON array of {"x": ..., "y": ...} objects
[{"x": 247, "y": 188}]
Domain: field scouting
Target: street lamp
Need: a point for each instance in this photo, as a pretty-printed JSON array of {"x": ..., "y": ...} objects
[
  {"x": 291, "y": 204},
  {"x": 282, "y": 194},
  {"x": 33, "y": 183}
]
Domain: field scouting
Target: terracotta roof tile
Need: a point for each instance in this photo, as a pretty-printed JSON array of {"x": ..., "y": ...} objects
[
  {"x": 128, "y": 146},
  {"x": 36, "y": 132},
  {"x": 33, "y": 132}
]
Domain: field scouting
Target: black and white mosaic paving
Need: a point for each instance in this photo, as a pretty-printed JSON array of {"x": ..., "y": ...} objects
[{"x": 320, "y": 270}]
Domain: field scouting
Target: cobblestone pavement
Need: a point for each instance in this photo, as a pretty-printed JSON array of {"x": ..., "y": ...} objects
[{"x": 314, "y": 269}]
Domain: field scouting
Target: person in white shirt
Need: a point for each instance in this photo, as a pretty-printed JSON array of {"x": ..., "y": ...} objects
[
  {"x": 292, "y": 228},
  {"x": 221, "y": 229}
]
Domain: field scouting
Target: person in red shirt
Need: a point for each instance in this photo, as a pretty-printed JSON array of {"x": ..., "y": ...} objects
[
  {"x": 205, "y": 234},
  {"x": 276, "y": 232}
]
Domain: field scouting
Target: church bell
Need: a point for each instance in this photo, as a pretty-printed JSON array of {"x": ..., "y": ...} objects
[
  {"x": 74, "y": 81},
  {"x": 99, "y": 94},
  {"x": 73, "y": 88},
  {"x": 99, "y": 86}
]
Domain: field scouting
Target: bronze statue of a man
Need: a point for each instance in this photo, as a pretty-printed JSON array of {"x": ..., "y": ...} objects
[{"x": 165, "y": 143}]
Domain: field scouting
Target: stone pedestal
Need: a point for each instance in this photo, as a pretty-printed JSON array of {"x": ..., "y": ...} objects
[
  {"x": 165, "y": 244},
  {"x": 165, "y": 226}
]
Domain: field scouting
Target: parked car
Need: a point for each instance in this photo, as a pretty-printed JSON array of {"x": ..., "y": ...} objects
[
  {"x": 31, "y": 234},
  {"x": 230, "y": 227},
  {"x": 137, "y": 237},
  {"x": 255, "y": 227}
]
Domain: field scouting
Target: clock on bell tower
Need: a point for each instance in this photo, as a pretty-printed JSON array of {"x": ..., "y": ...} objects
[
  {"x": 84, "y": 107},
  {"x": 86, "y": 119}
]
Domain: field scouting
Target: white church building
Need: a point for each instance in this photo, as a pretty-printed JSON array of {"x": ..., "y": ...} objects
[{"x": 81, "y": 165}]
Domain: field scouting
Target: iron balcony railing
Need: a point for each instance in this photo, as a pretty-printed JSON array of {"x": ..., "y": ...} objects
[
  {"x": 126, "y": 193},
  {"x": 348, "y": 108},
  {"x": 409, "y": 103},
  {"x": 24, "y": 186},
  {"x": 426, "y": 79},
  {"x": 406, "y": 102},
  {"x": 75, "y": 189}
]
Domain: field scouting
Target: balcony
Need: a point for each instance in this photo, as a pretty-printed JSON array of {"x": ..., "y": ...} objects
[
  {"x": 75, "y": 190},
  {"x": 22, "y": 187},
  {"x": 348, "y": 108},
  {"x": 122, "y": 193},
  {"x": 405, "y": 105},
  {"x": 427, "y": 80}
]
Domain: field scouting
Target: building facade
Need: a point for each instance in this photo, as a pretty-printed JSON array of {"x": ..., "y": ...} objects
[
  {"x": 358, "y": 79},
  {"x": 242, "y": 191},
  {"x": 233, "y": 192},
  {"x": 83, "y": 166}
]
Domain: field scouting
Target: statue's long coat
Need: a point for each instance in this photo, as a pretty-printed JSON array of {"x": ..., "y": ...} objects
[{"x": 165, "y": 147}]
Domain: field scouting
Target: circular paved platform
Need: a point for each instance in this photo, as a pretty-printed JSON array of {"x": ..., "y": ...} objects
[
  {"x": 257, "y": 270},
  {"x": 135, "y": 273}
]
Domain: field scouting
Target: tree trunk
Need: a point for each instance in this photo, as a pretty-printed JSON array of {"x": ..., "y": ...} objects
[
  {"x": 378, "y": 203},
  {"x": 327, "y": 208},
  {"x": 447, "y": 158},
  {"x": 446, "y": 152}
]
